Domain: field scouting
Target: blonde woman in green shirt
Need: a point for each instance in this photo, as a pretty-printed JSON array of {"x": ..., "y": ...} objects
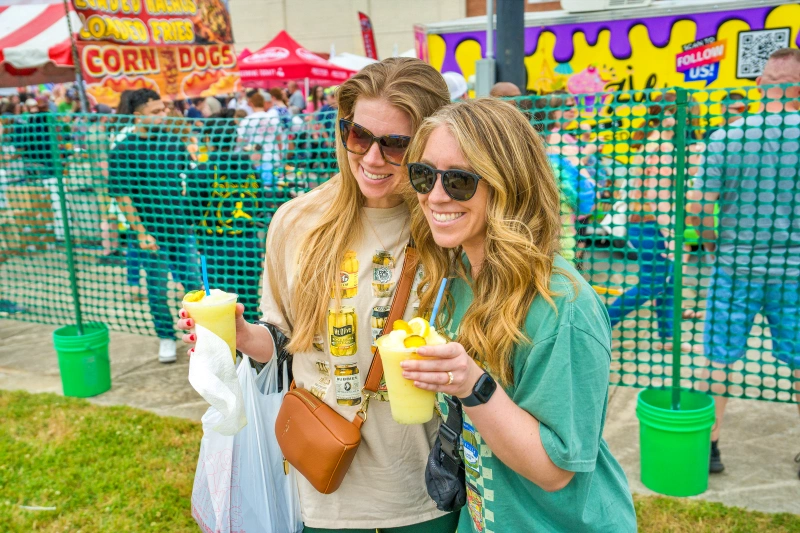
[{"x": 487, "y": 209}]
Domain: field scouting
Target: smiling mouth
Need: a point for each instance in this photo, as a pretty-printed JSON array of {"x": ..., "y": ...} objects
[
  {"x": 374, "y": 177},
  {"x": 446, "y": 217}
]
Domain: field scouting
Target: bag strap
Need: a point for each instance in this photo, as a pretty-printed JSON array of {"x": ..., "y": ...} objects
[
  {"x": 450, "y": 435},
  {"x": 399, "y": 304}
]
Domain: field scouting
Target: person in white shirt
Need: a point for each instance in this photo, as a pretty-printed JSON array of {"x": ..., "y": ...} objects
[
  {"x": 297, "y": 101},
  {"x": 239, "y": 101},
  {"x": 260, "y": 130}
]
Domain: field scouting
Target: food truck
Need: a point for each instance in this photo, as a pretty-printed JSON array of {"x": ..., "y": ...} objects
[{"x": 668, "y": 43}]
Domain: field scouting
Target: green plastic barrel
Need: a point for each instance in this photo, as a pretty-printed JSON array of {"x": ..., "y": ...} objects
[
  {"x": 83, "y": 359},
  {"x": 675, "y": 444}
]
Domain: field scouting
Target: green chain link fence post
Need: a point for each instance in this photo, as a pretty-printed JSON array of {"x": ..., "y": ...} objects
[
  {"x": 677, "y": 265},
  {"x": 58, "y": 170}
]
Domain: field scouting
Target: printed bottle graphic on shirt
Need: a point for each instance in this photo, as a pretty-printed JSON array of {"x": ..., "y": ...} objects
[
  {"x": 320, "y": 387},
  {"x": 382, "y": 392},
  {"x": 382, "y": 272},
  {"x": 378, "y": 321},
  {"x": 417, "y": 279},
  {"x": 318, "y": 342},
  {"x": 348, "y": 385},
  {"x": 342, "y": 330},
  {"x": 348, "y": 277}
]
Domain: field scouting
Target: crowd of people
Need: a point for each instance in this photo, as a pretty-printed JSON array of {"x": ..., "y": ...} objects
[
  {"x": 63, "y": 98},
  {"x": 281, "y": 123},
  {"x": 265, "y": 146},
  {"x": 60, "y": 100}
]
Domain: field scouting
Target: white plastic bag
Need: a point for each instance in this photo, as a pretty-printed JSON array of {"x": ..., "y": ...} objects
[
  {"x": 215, "y": 378},
  {"x": 240, "y": 485}
]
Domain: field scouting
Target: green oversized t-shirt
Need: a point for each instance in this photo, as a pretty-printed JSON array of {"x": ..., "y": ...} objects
[{"x": 561, "y": 378}]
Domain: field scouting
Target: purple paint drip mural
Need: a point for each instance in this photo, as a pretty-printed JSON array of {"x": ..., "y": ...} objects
[{"x": 641, "y": 53}]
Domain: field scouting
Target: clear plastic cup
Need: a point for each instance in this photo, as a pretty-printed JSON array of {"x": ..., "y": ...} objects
[
  {"x": 410, "y": 405},
  {"x": 216, "y": 312}
]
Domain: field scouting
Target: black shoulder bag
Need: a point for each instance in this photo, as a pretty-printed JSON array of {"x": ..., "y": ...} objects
[{"x": 444, "y": 473}]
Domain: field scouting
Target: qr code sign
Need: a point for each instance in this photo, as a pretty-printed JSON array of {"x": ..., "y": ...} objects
[{"x": 755, "y": 47}]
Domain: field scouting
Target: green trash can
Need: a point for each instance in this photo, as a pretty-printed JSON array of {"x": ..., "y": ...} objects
[
  {"x": 83, "y": 359},
  {"x": 675, "y": 445}
]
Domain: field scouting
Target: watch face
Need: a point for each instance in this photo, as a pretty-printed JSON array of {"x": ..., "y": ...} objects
[{"x": 485, "y": 387}]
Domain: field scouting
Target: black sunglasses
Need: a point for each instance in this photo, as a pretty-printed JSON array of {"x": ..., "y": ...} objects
[
  {"x": 459, "y": 185},
  {"x": 358, "y": 140}
]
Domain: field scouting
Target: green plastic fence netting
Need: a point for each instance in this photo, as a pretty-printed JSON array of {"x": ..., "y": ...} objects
[
  {"x": 145, "y": 197},
  {"x": 730, "y": 308}
]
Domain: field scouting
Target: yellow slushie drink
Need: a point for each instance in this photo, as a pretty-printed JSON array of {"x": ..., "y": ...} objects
[
  {"x": 410, "y": 405},
  {"x": 215, "y": 312}
]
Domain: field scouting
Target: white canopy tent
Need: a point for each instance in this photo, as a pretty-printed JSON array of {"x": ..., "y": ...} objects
[{"x": 351, "y": 61}]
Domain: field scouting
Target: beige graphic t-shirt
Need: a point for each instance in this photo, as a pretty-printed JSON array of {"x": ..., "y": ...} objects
[{"x": 385, "y": 485}]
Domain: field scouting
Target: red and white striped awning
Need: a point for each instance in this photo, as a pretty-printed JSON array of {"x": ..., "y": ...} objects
[{"x": 35, "y": 42}]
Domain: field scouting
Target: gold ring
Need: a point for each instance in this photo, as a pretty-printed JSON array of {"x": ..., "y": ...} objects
[{"x": 450, "y": 375}]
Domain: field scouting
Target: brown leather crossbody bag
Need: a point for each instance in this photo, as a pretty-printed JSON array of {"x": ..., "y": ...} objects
[{"x": 315, "y": 439}]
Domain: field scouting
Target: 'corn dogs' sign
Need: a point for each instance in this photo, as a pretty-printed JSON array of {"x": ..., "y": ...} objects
[{"x": 175, "y": 72}]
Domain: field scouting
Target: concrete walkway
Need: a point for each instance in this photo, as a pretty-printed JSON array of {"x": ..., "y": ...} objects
[
  {"x": 759, "y": 441},
  {"x": 28, "y": 361}
]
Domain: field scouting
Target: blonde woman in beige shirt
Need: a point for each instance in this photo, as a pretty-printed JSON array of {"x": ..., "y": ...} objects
[{"x": 340, "y": 250}]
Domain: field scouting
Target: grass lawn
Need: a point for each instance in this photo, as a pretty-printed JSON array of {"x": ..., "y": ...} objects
[{"x": 114, "y": 469}]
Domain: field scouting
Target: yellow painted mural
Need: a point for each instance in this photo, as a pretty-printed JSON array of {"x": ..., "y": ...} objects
[{"x": 702, "y": 50}]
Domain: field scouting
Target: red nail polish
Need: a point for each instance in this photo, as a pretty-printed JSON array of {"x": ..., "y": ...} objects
[{"x": 193, "y": 338}]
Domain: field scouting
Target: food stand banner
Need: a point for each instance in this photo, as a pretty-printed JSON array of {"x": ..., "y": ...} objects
[
  {"x": 175, "y": 72},
  {"x": 154, "y": 22},
  {"x": 179, "y": 48}
]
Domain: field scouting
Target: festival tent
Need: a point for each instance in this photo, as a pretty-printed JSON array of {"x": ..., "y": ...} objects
[
  {"x": 283, "y": 59},
  {"x": 351, "y": 61},
  {"x": 35, "y": 43}
]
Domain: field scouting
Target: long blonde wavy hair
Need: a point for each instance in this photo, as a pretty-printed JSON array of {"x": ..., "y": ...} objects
[
  {"x": 411, "y": 86},
  {"x": 522, "y": 233}
]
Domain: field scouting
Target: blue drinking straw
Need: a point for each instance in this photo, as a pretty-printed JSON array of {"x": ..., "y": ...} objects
[
  {"x": 438, "y": 302},
  {"x": 205, "y": 274}
]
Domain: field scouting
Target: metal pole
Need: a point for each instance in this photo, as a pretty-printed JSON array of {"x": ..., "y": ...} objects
[
  {"x": 485, "y": 69},
  {"x": 62, "y": 200},
  {"x": 76, "y": 61},
  {"x": 680, "y": 224},
  {"x": 489, "y": 29},
  {"x": 511, "y": 42}
]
